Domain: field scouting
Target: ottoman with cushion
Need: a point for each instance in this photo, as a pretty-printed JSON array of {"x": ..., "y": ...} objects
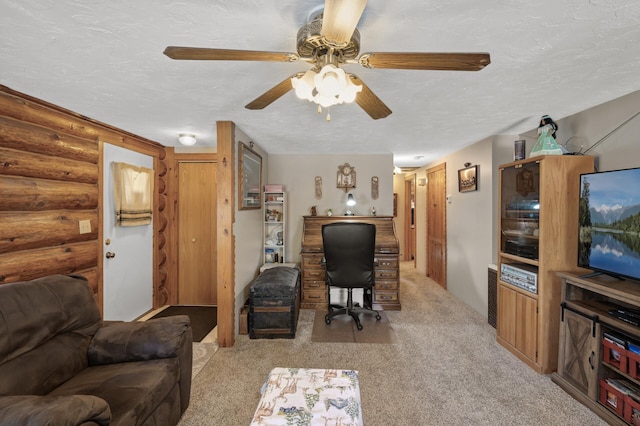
[{"x": 274, "y": 303}]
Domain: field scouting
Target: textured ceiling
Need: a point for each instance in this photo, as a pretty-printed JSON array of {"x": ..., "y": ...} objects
[{"x": 103, "y": 59}]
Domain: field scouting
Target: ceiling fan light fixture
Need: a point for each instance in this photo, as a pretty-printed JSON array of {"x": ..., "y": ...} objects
[
  {"x": 187, "y": 139},
  {"x": 350, "y": 92},
  {"x": 304, "y": 85}
]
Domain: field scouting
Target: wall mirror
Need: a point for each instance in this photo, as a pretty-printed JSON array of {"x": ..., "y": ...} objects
[{"x": 249, "y": 178}]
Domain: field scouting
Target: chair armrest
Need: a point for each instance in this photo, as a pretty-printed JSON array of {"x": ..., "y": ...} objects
[
  {"x": 140, "y": 340},
  {"x": 53, "y": 410}
]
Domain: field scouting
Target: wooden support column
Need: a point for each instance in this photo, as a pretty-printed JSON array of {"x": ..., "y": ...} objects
[{"x": 226, "y": 241}]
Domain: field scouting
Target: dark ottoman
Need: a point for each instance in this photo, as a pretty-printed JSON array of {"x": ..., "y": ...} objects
[{"x": 274, "y": 303}]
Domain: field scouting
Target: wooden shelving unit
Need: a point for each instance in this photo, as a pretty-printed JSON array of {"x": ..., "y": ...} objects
[{"x": 538, "y": 235}]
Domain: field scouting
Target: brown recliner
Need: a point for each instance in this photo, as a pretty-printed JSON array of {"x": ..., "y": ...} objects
[{"x": 61, "y": 364}]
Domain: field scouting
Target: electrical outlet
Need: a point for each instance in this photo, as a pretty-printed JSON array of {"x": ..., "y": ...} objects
[{"x": 85, "y": 226}]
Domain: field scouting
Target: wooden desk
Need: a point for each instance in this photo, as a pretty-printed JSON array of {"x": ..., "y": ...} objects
[{"x": 386, "y": 292}]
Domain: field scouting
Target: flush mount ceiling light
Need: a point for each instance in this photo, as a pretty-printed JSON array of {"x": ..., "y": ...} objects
[{"x": 187, "y": 139}]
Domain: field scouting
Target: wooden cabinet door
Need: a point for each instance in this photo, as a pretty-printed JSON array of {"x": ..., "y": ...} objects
[
  {"x": 518, "y": 321},
  {"x": 506, "y": 327},
  {"x": 579, "y": 352},
  {"x": 527, "y": 326}
]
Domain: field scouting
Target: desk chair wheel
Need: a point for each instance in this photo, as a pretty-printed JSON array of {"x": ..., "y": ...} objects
[
  {"x": 327, "y": 319},
  {"x": 378, "y": 317}
]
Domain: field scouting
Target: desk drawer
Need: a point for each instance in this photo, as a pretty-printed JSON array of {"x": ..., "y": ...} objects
[
  {"x": 313, "y": 261},
  {"x": 386, "y": 285},
  {"x": 386, "y": 274},
  {"x": 314, "y": 296},
  {"x": 387, "y": 262},
  {"x": 384, "y": 296},
  {"x": 313, "y": 284},
  {"x": 313, "y": 274}
]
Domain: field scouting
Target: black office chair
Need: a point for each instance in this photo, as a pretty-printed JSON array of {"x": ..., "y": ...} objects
[{"x": 349, "y": 263}]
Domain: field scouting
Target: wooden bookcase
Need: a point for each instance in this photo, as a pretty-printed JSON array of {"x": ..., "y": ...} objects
[
  {"x": 538, "y": 235},
  {"x": 582, "y": 357}
]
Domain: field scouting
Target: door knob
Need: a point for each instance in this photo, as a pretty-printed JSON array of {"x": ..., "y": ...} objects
[{"x": 110, "y": 255}]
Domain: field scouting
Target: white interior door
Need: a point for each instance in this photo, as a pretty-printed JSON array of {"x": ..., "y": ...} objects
[{"x": 128, "y": 275}]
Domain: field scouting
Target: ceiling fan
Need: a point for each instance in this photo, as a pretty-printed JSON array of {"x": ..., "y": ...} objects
[{"x": 328, "y": 41}]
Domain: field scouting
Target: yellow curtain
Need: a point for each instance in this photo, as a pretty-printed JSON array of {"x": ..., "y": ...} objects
[{"x": 133, "y": 194}]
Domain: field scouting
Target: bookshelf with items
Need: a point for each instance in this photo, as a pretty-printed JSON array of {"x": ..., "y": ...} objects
[
  {"x": 275, "y": 213},
  {"x": 599, "y": 356}
]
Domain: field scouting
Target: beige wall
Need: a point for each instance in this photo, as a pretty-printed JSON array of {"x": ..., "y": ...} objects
[
  {"x": 297, "y": 173},
  {"x": 247, "y": 231},
  {"x": 472, "y": 217}
]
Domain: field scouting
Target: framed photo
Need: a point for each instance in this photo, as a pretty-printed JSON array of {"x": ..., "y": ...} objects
[
  {"x": 468, "y": 179},
  {"x": 249, "y": 178}
]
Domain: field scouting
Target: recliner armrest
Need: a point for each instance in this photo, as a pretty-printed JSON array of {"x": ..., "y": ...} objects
[
  {"x": 53, "y": 410},
  {"x": 140, "y": 340}
]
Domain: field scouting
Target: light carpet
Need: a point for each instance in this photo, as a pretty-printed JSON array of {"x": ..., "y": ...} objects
[{"x": 445, "y": 369}]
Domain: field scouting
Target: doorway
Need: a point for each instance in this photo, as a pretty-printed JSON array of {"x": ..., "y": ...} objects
[
  {"x": 197, "y": 249},
  {"x": 436, "y": 211},
  {"x": 410, "y": 218}
]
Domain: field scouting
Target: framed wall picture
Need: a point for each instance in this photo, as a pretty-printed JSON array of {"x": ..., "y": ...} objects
[
  {"x": 468, "y": 179},
  {"x": 249, "y": 178}
]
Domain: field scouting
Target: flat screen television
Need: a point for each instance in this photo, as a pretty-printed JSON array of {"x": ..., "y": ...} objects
[{"x": 609, "y": 233}]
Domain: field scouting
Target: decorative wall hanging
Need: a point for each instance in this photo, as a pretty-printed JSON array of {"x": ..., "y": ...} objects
[
  {"x": 318, "y": 187},
  {"x": 132, "y": 194},
  {"x": 467, "y": 178},
  {"x": 374, "y": 188},
  {"x": 346, "y": 177},
  {"x": 249, "y": 178}
]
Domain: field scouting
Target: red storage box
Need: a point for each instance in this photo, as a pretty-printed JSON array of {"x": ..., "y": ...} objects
[
  {"x": 612, "y": 398},
  {"x": 631, "y": 411},
  {"x": 614, "y": 355}
]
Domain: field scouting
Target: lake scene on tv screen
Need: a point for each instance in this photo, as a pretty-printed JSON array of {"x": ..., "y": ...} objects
[{"x": 610, "y": 222}]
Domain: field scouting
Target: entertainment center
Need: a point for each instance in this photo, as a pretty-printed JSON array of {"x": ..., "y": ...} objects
[
  {"x": 538, "y": 236},
  {"x": 591, "y": 365}
]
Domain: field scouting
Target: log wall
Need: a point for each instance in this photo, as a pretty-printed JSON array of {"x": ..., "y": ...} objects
[{"x": 51, "y": 178}]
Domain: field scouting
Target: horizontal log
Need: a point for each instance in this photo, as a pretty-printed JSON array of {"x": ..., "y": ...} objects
[
  {"x": 33, "y": 138},
  {"x": 30, "y": 264},
  {"x": 21, "y": 230},
  {"x": 27, "y": 194},
  {"x": 22, "y": 107},
  {"x": 92, "y": 276},
  {"x": 27, "y": 164}
]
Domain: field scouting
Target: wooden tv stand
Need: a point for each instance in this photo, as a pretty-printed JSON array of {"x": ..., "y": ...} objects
[{"x": 582, "y": 354}]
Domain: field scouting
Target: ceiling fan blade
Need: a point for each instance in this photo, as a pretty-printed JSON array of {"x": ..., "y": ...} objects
[
  {"x": 273, "y": 94},
  {"x": 203, "y": 53},
  {"x": 369, "y": 102},
  {"x": 340, "y": 18},
  {"x": 425, "y": 61}
]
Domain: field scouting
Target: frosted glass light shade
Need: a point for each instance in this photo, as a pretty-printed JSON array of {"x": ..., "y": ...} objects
[{"x": 187, "y": 139}]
